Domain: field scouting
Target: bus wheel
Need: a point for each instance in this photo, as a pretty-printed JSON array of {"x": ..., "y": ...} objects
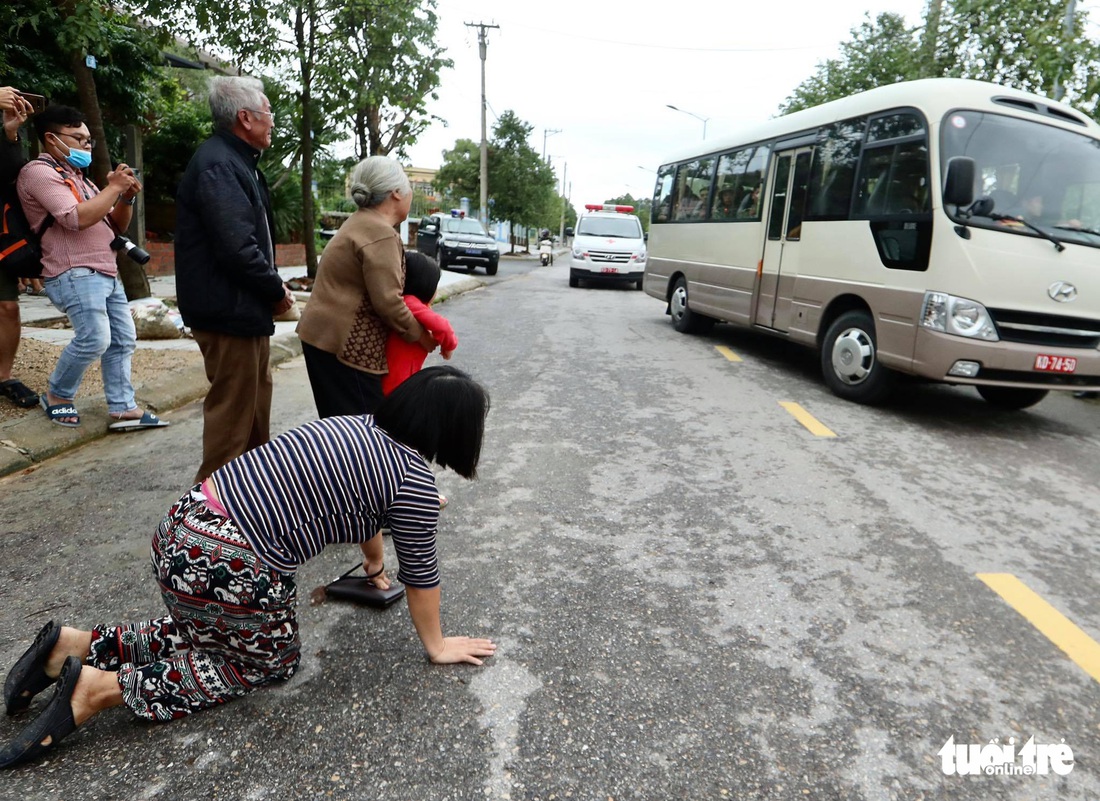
[
  {"x": 849, "y": 360},
  {"x": 1010, "y": 397},
  {"x": 684, "y": 319}
]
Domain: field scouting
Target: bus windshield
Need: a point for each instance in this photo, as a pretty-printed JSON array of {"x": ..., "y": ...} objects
[
  {"x": 462, "y": 225},
  {"x": 1046, "y": 176}
]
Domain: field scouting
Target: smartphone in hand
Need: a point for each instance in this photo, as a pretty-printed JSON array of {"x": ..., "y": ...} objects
[{"x": 38, "y": 102}]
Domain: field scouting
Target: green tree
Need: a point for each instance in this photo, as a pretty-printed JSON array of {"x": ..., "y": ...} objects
[
  {"x": 1019, "y": 43},
  {"x": 460, "y": 173},
  {"x": 45, "y": 51},
  {"x": 372, "y": 60},
  {"x": 881, "y": 52},
  {"x": 392, "y": 68},
  {"x": 642, "y": 207},
  {"x": 521, "y": 184},
  {"x": 293, "y": 40}
]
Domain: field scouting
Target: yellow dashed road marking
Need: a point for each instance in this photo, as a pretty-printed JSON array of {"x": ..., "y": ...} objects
[
  {"x": 1055, "y": 626},
  {"x": 729, "y": 354},
  {"x": 807, "y": 419}
]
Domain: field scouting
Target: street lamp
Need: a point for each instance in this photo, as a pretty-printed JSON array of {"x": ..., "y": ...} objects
[{"x": 690, "y": 114}]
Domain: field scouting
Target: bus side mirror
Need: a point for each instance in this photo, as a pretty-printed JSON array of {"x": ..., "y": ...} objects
[{"x": 958, "y": 188}]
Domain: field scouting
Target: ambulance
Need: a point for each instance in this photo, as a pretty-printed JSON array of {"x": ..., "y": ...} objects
[{"x": 608, "y": 245}]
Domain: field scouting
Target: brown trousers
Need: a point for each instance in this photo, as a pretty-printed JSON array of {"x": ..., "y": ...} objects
[{"x": 237, "y": 410}]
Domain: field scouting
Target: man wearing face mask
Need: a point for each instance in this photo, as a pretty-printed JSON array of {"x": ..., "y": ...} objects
[{"x": 77, "y": 223}]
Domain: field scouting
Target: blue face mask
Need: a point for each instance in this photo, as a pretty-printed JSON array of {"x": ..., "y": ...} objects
[{"x": 81, "y": 159}]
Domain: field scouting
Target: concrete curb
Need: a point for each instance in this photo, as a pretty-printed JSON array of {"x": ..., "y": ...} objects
[
  {"x": 458, "y": 287},
  {"x": 30, "y": 440}
]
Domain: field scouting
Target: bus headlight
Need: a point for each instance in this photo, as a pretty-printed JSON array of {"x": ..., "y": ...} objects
[
  {"x": 579, "y": 253},
  {"x": 958, "y": 316}
]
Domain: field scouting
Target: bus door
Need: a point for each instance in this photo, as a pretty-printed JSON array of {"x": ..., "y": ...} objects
[{"x": 779, "y": 266}]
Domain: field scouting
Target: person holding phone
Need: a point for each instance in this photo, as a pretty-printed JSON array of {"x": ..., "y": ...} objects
[
  {"x": 78, "y": 224},
  {"x": 37, "y": 102},
  {"x": 16, "y": 108}
]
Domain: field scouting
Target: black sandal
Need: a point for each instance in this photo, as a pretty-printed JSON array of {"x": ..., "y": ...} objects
[
  {"x": 28, "y": 678},
  {"x": 19, "y": 393},
  {"x": 56, "y": 721}
]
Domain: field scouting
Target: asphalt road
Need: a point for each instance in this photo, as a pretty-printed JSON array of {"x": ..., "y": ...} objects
[{"x": 695, "y": 594}]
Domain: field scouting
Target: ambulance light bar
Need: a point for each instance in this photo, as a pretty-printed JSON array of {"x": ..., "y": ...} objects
[{"x": 607, "y": 207}]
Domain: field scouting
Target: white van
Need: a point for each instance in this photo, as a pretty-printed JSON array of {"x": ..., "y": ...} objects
[{"x": 609, "y": 245}]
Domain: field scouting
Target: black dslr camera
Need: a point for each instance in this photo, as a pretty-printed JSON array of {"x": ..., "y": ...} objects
[{"x": 135, "y": 253}]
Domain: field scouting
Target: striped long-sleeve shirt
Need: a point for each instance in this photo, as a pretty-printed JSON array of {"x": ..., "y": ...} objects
[{"x": 337, "y": 480}]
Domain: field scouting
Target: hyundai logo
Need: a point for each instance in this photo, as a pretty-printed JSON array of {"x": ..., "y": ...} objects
[{"x": 1062, "y": 292}]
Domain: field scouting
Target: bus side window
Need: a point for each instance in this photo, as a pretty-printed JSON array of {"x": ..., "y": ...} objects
[
  {"x": 894, "y": 180},
  {"x": 907, "y": 192},
  {"x": 798, "y": 196},
  {"x": 892, "y": 193},
  {"x": 752, "y": 185},
  {"x": 731, "y": 169},
  {"x": 693, "y": 181},
  {"x": 834, "y": 170},
  {"x": 662, "y": 195}
]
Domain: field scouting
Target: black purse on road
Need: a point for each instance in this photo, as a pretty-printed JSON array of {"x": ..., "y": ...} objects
[{"x": 361, "y": 590}]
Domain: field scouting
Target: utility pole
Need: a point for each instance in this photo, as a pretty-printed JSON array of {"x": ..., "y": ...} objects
[
  {"x": 1067, "y": 32},
  {"x": 547, "y": 132},
  {"x": 564, "y": 201},
  {"x": 482, "y": 44}
]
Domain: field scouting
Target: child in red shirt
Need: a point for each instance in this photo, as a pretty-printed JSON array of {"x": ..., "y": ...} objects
[{"x": 405, "y": 358}]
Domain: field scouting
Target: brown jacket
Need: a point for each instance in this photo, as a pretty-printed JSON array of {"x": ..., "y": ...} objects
[{"x": 357, "y": 298}]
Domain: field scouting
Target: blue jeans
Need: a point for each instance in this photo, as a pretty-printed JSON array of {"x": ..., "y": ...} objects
[{"x": 102, "y": 329}]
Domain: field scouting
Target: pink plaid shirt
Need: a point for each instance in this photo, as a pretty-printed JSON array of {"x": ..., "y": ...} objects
[{"x": 43, "y": 191}]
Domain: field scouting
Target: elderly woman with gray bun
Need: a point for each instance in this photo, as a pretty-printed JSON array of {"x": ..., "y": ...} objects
[{"x": 357, "y": 297}]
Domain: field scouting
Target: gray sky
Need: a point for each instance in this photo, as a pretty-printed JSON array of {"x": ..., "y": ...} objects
[{"x": 604, "y": 72}]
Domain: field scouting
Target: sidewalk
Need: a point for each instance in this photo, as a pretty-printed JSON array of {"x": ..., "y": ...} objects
[{"x": 26, "y": 441}]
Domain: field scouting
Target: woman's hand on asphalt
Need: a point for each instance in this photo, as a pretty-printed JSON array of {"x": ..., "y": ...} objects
[{"x": 463, "y": 649}]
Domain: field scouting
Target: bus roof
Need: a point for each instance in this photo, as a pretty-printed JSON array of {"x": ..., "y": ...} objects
[{"x": 934, "y": 96}]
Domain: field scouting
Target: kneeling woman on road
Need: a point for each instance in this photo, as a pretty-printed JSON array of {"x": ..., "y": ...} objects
[{"x": 225, "y": 558}]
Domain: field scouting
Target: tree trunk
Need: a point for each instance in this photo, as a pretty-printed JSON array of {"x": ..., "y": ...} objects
[
  {"x": 305, "y": 56},
  {"x": 134, "y": 281},
  {"x": 929, "y": 65},
  {"x": 374, "y": 124},
  {"x": 361, "y": 133}
]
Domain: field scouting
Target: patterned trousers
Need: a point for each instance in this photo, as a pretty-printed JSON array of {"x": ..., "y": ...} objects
[{"x": 230, "y": 627}]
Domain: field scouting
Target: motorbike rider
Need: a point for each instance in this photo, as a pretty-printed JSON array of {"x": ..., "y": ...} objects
[{"x": 546, "y": 247}]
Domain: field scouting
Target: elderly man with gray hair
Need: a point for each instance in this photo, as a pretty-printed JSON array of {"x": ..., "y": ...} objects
[
  {"x": 357, "y": 299},
  {"x": 227, "y": 286}
]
